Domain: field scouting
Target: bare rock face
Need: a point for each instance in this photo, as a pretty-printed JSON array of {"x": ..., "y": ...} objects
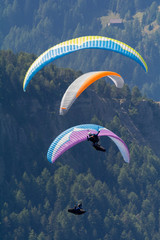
[{"x": 141, "y": 121}]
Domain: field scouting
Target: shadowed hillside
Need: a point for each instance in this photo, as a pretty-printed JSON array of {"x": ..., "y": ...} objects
[{"x": 122, "y": 200}]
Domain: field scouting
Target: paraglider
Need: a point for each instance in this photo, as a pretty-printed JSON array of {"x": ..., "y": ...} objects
[
  {"x": 95, "y": 141},
  {"x": 81, "y": 83},
  {"x": 77, "y": 210},
  {"x": 87, "y": 42},
  {"x": 79, "y": 133}
]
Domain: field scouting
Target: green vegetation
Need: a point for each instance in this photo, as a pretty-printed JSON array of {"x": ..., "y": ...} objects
[
  {"x": 32, "y": 27},
  {"x": 122, "y": 200}
]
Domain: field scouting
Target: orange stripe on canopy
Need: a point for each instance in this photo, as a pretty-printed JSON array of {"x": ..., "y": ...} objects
[{"x": 94, "y": 78}]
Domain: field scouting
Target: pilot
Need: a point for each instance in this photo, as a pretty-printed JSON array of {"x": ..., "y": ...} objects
[{"x": 95, "y": 141}]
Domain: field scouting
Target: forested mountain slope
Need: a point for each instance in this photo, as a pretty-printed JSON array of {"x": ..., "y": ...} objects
[
  {"x": 36, "y": 26},
  {"x": 122, "y": 200}
]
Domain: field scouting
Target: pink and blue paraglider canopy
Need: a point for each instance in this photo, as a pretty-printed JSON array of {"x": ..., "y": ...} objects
[{"x": 79, "y": 133}]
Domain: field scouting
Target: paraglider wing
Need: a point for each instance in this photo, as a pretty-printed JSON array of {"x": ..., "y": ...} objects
[
  {"x": 76, "y": 44},
  {"x": 79, "y": 133},
  {"x": 118, "y": 141},
  {"x": 76, "y": 211},
  {"x": 81, "y": 83}
]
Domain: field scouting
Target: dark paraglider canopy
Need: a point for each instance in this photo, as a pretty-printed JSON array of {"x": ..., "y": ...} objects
[{"x": 77, "y": 210}]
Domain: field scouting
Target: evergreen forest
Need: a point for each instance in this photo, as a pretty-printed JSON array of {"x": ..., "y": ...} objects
[
  {"x": 31, "y": 26},
  {"x": 121, "y": 200}
]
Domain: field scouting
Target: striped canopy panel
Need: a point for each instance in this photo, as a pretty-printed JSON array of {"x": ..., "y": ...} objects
[
  {"x": 81, "y": 83},
  {"x": 79, "y": 133},
  {"x": 76, "y": 44}
]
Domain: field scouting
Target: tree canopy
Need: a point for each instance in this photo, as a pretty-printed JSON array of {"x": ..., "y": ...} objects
[{"x": 122, "y": 201}]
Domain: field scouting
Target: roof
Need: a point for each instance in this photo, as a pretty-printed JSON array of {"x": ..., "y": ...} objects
[{"x": 115, "y": 20}]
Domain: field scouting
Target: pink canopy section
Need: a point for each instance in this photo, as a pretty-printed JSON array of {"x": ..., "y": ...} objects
[{"x": 79, "y": 133}]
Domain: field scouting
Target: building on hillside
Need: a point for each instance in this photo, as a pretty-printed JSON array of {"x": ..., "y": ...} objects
[{"x": 116, "y": 22}]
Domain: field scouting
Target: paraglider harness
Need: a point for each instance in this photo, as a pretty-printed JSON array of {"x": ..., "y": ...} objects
[{"x": 95, "y": 141}]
